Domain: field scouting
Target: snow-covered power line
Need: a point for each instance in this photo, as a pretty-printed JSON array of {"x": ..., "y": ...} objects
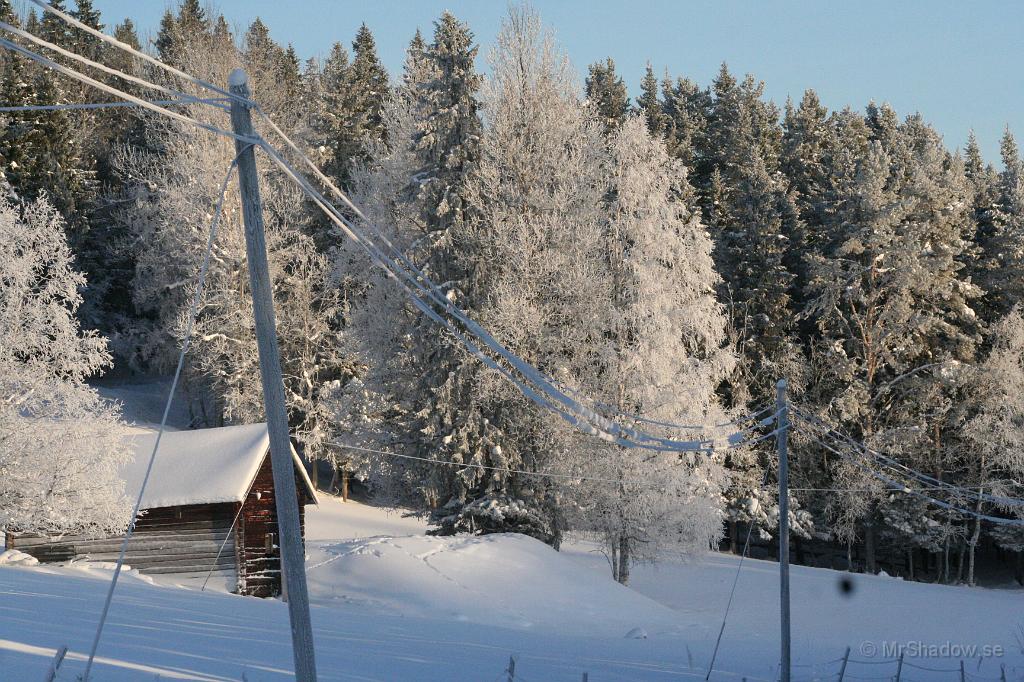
[
  {"x": 421, "y": 282},
  {"x": 189, "y": 328},
  {"x": 902, "y": 469},
  {"x": 94, "y": 64},
  {"x": 111, "y": 105},
  {"x": 537, "y": 386},
  {"x": 109, "y": 40},
  {"x": 145, "y": 104}
]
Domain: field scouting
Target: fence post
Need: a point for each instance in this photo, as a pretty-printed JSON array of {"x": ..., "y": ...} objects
[
  {"x": 963, "y": 675},
  {"x": 781, "y": 427},
  {"x": 842, "y": 668},
  {"x": 899, "y": 666},
  {"x": 511, "y": 669},
  {"x": 1002, "y": 672},
  {"x": 51, "y": 674}
]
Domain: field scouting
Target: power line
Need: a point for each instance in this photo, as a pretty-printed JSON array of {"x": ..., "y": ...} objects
[
  {"x": 422, "y": 282},
  {"x": 67, "y": 18},
  {"x": 896, "y": 465},
  {"x": 523, "y": 472},
  {"x": 116, "y": 92},
  {"x": 111, "y": 105},
  {"x": 94, "y": 64},
  {"x": 895, "y": 486}
]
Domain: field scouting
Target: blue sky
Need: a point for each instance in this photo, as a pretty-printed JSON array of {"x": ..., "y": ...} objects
[{"x": 952, "y": 61}]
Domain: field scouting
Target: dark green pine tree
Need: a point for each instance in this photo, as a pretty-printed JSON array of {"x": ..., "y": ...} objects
[
  {"x": 649, "y": 104},
  {"x": 351, "y": 114},
  {"x": 753, "y": 220},
  {"x": 330, "y": 119},
  {"x": 289, "y": 72},
  {"x": 104, "y": 253},
  {"x": 368, "y": 87},
  {"x": 442, "y": 84},
  {"x": 606, "y": 93},
  {"x": 167, "y": 37},
  {"x": 84, "y": 43},
  {"x": 1006, "y": 246},
  {"x": 412, "y": 73},
  {"x": 192, "y": 19},
  {"x": 175, "y": 32},
  {"x": 687, "y": 108},
  {"x": 54, "y": 29},
  {"x": 32, "y": 22}
]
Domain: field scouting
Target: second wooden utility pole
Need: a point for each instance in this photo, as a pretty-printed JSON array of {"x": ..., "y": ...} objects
[
  {"x": 293, "y": 562},
  {"x": 782, "y": 428}
]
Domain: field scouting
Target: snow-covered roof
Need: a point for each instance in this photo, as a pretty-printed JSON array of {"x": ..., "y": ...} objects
[{"x": 203, "y": 466}]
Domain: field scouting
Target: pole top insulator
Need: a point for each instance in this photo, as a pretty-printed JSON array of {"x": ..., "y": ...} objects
[{"x": 238, "y": 78}]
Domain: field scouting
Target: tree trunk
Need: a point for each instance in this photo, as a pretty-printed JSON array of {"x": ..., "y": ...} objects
[
  {"x": 344, "y": 485},
  {"x": 910, "y": 563},
  {"x": 959, "y": 563},
  {"x": 733, "y": 546},
  {"x": 333, "y": 487},
  {"x": 869, "y": 549},
  {"x": 972, "y": 546},
  {"x": 614, "y": 561},
  {"x": 1018, "y": 568},
  {"x": 945, "y": 562},
  {"x": 623, "y": 577},
  {"x": 849, "y": 557}
]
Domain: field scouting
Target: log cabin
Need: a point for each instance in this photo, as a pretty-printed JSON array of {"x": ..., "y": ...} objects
[{"x": 209, "y": 504}]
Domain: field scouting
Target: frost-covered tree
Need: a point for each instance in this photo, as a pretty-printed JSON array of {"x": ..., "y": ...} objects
[
  {"x": 1003, "y": 233},
  {"x": 60, "y": 443},
  {"x": 891, "y": 302},
  {"x": 665, "y": 356},
  {"x": 995, "y": 434}
]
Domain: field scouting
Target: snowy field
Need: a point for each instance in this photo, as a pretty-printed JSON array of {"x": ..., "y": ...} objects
[{"x": 392, "y": 604}]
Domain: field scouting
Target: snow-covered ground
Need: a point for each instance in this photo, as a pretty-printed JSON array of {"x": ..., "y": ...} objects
[{"x": 390, "y": 603}]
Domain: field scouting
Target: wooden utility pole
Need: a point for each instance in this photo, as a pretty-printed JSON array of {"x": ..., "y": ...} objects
[
  {"x": 293, "y": 566},
  {"x": 782, "y": 427}
]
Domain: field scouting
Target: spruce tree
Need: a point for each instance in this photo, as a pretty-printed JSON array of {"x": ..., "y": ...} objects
[
  {"x": 807, "y": 142},
  {"x": 606, "y": 92},
  {"x": 448, "y": 139},
  {"x": 166, "y": 37},
  {"x": 686, "y": 108},
  {"x": 368, "y": 88},
  {"x": 983, "y": 183},
  {"x": 650, "y": 105}
]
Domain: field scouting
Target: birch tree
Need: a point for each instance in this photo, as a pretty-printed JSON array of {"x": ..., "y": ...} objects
[
  {"x": 60, "y": 443},
  {"x": 665, "y": 359}
]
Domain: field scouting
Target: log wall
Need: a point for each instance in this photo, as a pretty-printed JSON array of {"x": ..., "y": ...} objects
[
  {"x": 167, "y": 540},
  {"x": 259, "y": 550}
]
